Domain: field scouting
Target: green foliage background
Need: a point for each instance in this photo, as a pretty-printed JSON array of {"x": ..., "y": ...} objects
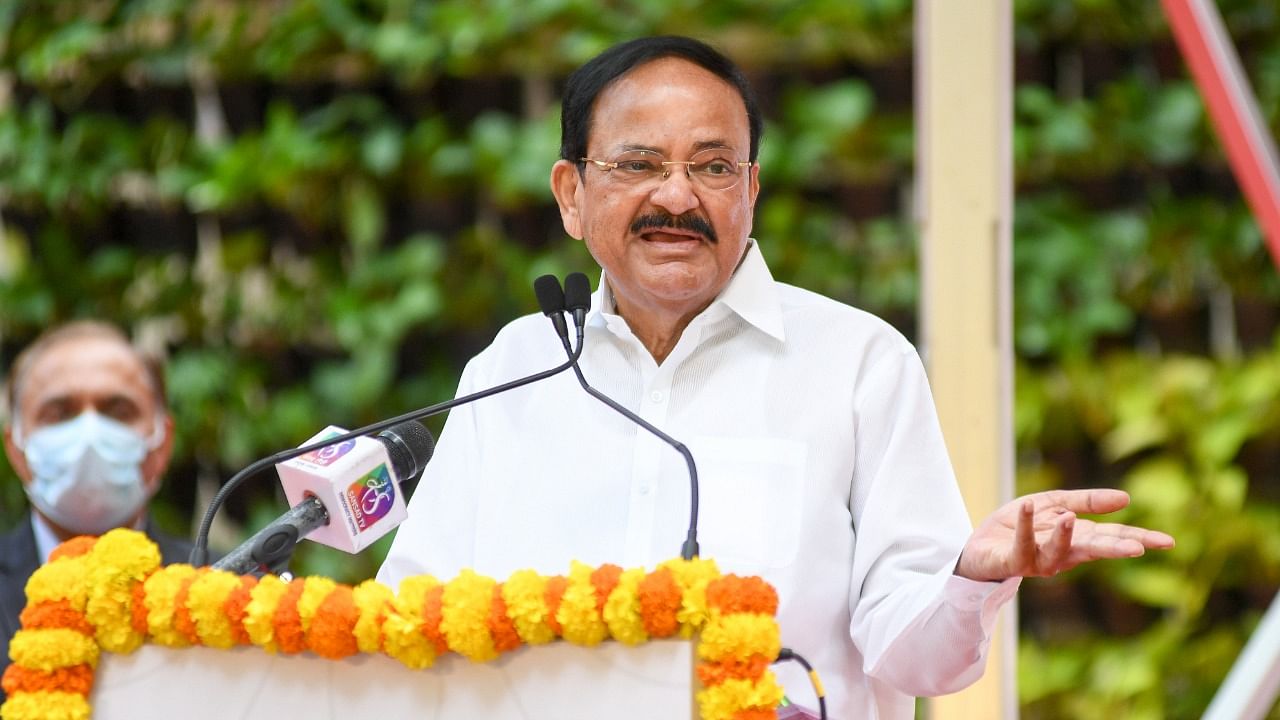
[{"x": 319, "y": 209}]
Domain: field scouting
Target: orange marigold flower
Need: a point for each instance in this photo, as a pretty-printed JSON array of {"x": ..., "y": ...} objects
[
  {"x": 432, "y": 614},
  {"x": 752, "y": 668},
  {"x": 56, "y": 614},
  {"x": 736, "y": 594},
  {"x": 235, "y": 605},
  {"x": 287, "y": 621},
  {"x": 660, "y": 599},
  {"x": 140, "y": 607},
  {"x": 332, "y": 630},
  {"x": 554, "y": 594},
  {"x": 505, "y": 637},
  {"x": 75, "y": 679},
  {"x": 756, "y": 714},
  {"x": 605, "y": 579},
  {"x": 182, "y": 621},
  {"x": 74, "y": 547}
]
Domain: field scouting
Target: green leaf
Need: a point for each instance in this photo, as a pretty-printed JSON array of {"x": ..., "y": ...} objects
[{"x": 1155, "y": 585}]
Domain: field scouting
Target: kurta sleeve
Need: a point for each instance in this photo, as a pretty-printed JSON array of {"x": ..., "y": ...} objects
[{"x": 919, "y": 628}]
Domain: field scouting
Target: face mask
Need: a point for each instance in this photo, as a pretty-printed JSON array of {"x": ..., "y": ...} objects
[{"x": 86, "y": 472}]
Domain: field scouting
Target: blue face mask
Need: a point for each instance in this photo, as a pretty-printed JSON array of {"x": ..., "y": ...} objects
[{"x": 87, "y": 472}]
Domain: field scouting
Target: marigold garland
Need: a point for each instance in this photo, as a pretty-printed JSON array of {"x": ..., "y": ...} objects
[
  {"x": 503, "y": 630},
  {"x": 207, "y": 610},
  {"x": 331, "y": 633},
  {"x": 290, "y": 635},
  {"x": 118, "y": 560},
  {"x": 110, "y": 593},
  {"x": 525, "y": 594},
  {"x": 579, "y": 613},
  {"x": 464, "y": 615},
  {"x": 402, "y": 635},
  {"x": 372, "y": 600},
  {"x": 622, "y": 609},
  {"x": 261, "y": 610}
]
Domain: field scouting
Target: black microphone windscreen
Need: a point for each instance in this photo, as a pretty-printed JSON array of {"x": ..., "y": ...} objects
[
  {"x": 549, "y": 293},
  {"x": 577, "y": 292},
  {"x": 409, "y": 448}
]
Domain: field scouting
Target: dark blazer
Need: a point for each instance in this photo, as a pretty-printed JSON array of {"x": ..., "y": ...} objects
[{"x": 19, "y": 558}]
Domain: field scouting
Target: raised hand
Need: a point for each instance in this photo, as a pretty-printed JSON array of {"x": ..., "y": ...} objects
[{"x": 1040, "y": 535}]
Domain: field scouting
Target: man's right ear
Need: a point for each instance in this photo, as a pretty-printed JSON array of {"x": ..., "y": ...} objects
[
  {"x": 17, "y": 458},
  {"x": 566, "y": 185}
]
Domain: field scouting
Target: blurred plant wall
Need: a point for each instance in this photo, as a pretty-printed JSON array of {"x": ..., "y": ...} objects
[{"x": 317, "y": 210}]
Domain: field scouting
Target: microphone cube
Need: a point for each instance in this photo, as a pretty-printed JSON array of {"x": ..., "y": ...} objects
[{"x": 357, "y": 485}]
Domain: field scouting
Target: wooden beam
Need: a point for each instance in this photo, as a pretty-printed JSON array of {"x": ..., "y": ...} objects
[{"x": 964, "y": 77}]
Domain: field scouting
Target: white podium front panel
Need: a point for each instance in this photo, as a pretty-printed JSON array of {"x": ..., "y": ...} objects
[{"x": 559, "y": 681}]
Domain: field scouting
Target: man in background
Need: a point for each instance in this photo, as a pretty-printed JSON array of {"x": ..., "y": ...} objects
[{"x": 88, "y": 433}]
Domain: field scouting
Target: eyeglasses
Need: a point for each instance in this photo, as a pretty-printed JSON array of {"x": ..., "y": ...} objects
[{"x": 713, "y": 168}]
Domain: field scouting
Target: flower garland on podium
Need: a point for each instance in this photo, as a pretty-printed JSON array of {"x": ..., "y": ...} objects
[{"x": 111, "y": 594}]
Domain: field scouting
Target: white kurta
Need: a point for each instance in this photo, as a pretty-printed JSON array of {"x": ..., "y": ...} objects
[{"x": 821, "y": 464}]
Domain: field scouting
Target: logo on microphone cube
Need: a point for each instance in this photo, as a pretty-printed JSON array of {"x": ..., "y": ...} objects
[
  {"x": 371, "y": 496},
  {"x": 330, "y": 454}
]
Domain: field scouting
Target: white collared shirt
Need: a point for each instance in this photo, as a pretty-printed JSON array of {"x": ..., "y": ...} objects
[
  {"x": 46, "y": 539},
  {"x": 821, "y": 466}
]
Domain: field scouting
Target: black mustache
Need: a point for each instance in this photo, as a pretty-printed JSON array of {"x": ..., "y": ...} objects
[{"x": 688, "y": 222}]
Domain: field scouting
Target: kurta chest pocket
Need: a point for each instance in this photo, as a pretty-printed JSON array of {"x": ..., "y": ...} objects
[{"x": 751, "y": 500}]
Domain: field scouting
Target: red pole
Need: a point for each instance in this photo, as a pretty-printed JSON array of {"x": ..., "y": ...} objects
[{"x": 1250, "y": 149}]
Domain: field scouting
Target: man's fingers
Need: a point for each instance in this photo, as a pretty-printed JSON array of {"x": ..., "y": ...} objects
[
  {"x": 1024, "y": 538},
  {"x": 1092, "y": 502},
  {"x": 1057, "y": 549},
  {"x": 1153, "y": 539}
]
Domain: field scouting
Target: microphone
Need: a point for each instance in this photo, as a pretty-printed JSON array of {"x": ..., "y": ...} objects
[
  {"x": 551, "y": 299},
  {"x": 576, "y": 298},
  {"x": 200, "y": 549},
  {"x": 356, "y": 482}
]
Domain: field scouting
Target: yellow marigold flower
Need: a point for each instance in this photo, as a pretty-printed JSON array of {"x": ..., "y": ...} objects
[
  {"x": 52, "y": 648},
  {"x": 46, "y": 705},
  {"x": 739, "y": 635},
  {"x": 161, "y": 594},
  {"x": 313, "y": 593},
  {"x": 119, "y": 558},
  {"x": 261, "y": 610},
  {"x": 525, "y": 596},
  {"x": 126, "y": 552},
  {"x": 465, "y": 615},
  {"x": 62, "y": 579},
  {"x": 622, "y": 609},
  {"x": 205, "y": 600},
  {"x": 692, "y": 576},
  {"x": 413, "y": 592},
  {"x": 372, "y": 600},
  {"x": 402, "y": 636},
  {"x": 578, "y": 617},
  {"x": 724, "y": 700},
  {"x": 114, "y": 631}
]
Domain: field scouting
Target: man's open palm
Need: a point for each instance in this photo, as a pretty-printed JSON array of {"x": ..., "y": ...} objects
[{"x": 1040, "y": 535}]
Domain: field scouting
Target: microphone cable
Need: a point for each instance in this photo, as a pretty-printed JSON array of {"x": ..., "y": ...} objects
[
  {"x": 200, "y": 550},
  {"x": 788, "y": 654},
  {"x": 576, "y": 299}
]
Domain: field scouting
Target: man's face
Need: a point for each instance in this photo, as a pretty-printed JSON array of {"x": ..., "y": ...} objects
[
  {"x": 89, "y": 373},
  {"x": 674, "y": 108}
]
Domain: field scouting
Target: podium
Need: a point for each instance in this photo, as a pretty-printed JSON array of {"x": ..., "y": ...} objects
[
  {"x": 556, "y": 682},
  {"x": 109, "y": 633}
]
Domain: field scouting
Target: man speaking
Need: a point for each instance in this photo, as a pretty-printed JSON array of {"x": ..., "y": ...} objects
[{"x": 821, "y": 462}]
